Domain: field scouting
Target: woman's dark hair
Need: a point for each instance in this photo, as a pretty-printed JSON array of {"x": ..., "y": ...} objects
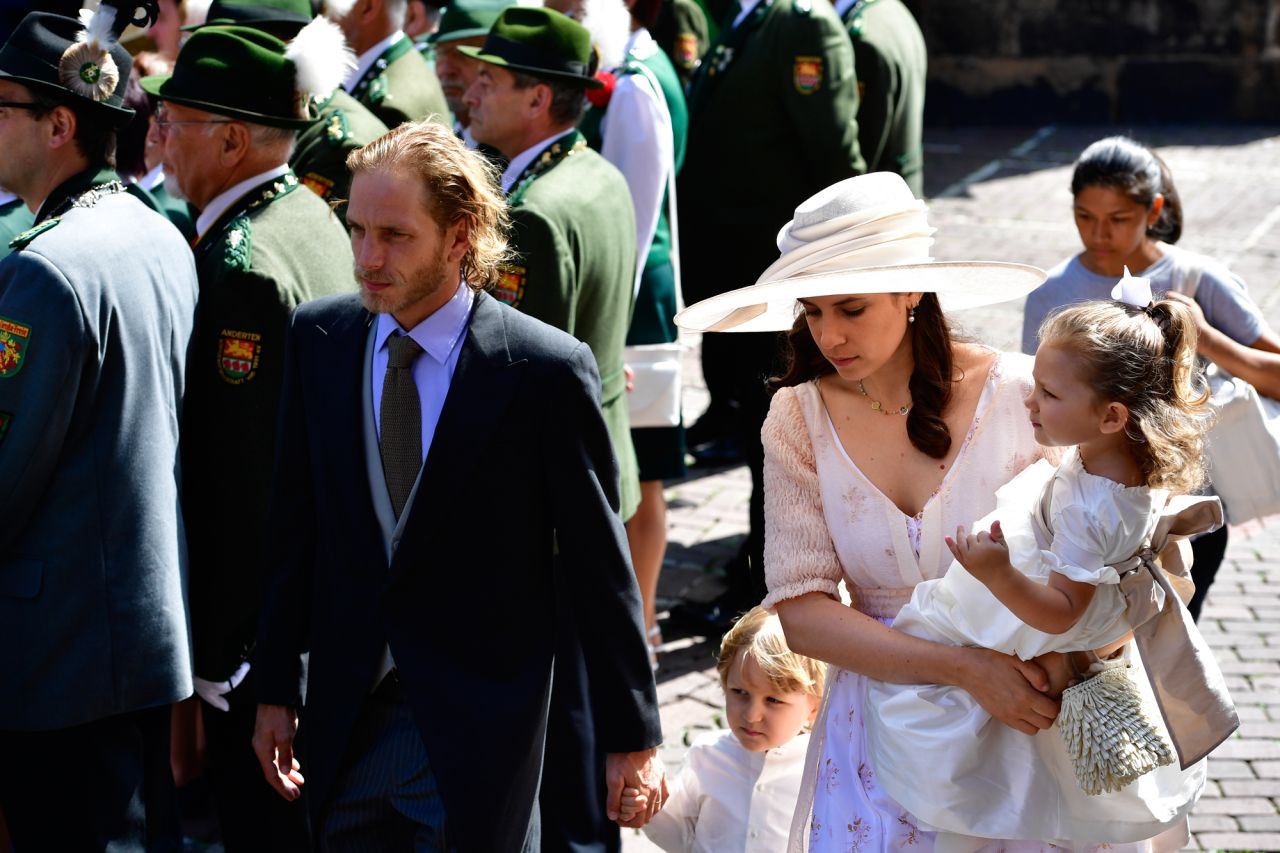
[
  {"x": 930, "y": 383},
  {"x": 1138, "y": 173}
]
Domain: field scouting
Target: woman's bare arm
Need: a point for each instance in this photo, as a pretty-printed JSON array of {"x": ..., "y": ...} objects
[{"x": 1009, "y": 689}]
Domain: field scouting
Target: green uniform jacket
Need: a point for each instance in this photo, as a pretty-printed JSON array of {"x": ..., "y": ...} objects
[
  {"x": 274, "y": 248},
  {"x": 400, "y": 86},
  {"x": 574, "y": 234},
  {"x": 15, "y": 217},
  {"x": 891, "y": 60},
  {"x": 320, "y": 157},
  {"x": 771, "y": 121}
]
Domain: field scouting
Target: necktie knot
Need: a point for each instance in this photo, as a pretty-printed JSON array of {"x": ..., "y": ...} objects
[{"x": 402, "y": 350}]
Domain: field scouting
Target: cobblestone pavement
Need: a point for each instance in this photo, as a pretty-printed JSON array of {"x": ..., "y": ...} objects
[{"x": 1003, "y": 194}]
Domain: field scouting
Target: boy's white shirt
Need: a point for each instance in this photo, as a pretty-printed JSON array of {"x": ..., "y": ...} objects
[{"x": 727, "y": 798}]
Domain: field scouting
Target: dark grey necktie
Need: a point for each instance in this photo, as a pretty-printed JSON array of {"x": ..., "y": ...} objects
[{"x": 401, "y": 415}]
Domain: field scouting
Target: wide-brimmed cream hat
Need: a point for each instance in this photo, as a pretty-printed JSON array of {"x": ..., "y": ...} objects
[{"x": 867, "y": 234}]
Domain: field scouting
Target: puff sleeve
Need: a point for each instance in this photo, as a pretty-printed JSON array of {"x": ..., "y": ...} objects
[{"x": 799, "y": 556}]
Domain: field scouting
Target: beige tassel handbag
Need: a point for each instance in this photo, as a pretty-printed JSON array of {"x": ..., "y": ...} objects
[{"x": 1109, "y": 736}]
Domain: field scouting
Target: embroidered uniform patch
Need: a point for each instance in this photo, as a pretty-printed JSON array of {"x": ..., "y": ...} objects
[
  {"x": 318, "y": 184},
  {"x": 806, "y": 74},
  {"x": 335, "y": 131},
  {"x": 238, "y": 356},
  {"x": 510, "y": 287},
  {"x": 377, "y": 91},
  {"x": 14, "y": 340}
]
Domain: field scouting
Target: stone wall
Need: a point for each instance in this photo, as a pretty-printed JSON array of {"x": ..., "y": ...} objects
[{"x": 1020, "y": 61}]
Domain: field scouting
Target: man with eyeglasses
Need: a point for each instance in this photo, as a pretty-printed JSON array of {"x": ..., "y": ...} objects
[
  {"x": 96, "y": 304},
  {"x": 229, "y": 115}
]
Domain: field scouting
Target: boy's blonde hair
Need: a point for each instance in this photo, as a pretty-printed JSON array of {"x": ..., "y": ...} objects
[{"x": 758, "y": 634}]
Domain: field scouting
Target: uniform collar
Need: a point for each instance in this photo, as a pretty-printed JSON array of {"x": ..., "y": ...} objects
[
  {"x": 72, "y": 187},
  {"x": 370, "y": 56},
  {"x": 516, "y": 168},
  {"x": 223, "y": 200}
]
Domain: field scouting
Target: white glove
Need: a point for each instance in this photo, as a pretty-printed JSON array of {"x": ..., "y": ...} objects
[{"x": 213, "y": 691}]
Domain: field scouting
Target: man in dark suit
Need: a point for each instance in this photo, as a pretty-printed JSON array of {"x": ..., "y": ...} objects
[
  {"x": 96, "y": 304},
  {"x": 446, "y": 500}
]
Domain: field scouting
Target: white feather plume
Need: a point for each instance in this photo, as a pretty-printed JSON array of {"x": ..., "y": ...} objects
[
  {"x": 97, "y": 31},
  {"x": 320, "y": 57},
  {"x": 336, "y": 10}
]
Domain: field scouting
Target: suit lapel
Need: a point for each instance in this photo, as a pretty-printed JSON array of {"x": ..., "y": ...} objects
[
  {"x": 342, "y": 375},
  {"x": 479, "y": 392}
]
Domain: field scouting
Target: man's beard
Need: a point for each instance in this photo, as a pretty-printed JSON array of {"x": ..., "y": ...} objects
[{"x": 425, "y": 281}]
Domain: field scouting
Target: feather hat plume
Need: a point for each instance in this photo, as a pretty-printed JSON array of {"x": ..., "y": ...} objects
[
  {"x": 321, "y": 58},
  {"x": 87, "y": 67}
]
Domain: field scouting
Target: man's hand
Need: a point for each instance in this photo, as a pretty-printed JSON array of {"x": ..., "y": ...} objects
[
  {"x": 985, "y": 555},
  {"x": 273, "y": 733},
  {"x": 641, "y": 771}
]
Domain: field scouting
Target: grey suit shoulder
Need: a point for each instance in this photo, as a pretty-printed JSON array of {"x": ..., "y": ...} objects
[{"x": 92, "y": 547}]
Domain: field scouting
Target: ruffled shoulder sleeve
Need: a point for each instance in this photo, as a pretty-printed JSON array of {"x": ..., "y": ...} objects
[
  {"x": 1096, "y": 523},
  {"x": 799, "y": 556}
]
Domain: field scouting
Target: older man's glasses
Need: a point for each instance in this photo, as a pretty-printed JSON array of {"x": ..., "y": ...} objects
[{"x": 163, "y": 122}]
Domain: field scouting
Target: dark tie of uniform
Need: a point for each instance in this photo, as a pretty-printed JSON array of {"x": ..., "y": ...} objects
[{"x": 401, "y": 415}]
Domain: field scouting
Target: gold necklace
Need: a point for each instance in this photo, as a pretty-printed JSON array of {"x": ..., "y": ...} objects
[{"x": 876, "y": 406}]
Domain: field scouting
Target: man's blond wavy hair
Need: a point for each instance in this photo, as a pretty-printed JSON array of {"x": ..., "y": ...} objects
[{"x": 460, "y": 184}]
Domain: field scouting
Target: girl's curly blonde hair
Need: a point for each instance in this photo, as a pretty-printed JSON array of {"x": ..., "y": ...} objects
[
  {"x": 460, "y": 184},
  {"x": 1144, "y": 358}
]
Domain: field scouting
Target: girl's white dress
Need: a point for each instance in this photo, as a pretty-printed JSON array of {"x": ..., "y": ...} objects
[
  {"x": 827, "y": 523},
  {"x": 987, "y": 779}
]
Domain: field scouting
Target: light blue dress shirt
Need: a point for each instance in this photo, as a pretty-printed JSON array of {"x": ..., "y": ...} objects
[{"x": 440, "y": 336}]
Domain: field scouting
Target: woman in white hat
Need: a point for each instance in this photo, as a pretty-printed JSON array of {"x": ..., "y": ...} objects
[{"x": 885, "y": 433}]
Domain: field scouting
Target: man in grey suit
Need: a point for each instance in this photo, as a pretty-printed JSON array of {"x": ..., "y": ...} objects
[{"x": 96, "y": 306}]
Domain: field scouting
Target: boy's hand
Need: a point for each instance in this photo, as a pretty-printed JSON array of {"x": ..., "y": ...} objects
[
  {"x": 632, "y": 803},
  {"x": 985, "y": 555}
]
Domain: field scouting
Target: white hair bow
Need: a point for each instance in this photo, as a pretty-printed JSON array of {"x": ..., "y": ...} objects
[{"x": 1133, "y": 290}]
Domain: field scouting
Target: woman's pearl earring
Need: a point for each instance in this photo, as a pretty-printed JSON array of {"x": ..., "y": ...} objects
[{"x": 911, "y": 314}]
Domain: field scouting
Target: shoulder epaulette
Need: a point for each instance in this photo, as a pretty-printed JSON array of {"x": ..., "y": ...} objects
[
  {"x": 23, "y": 239},
  {"x": 237, "y": 245}
]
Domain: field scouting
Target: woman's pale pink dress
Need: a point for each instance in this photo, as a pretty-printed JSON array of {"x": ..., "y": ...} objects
[{"x": 826, "y": 522}]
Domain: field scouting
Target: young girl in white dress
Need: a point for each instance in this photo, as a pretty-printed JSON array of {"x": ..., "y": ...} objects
[{"x": 1117, "y": 384}]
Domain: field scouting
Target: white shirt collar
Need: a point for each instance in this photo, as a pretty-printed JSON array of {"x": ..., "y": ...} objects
[
  {"x": 439, "y": 332},
  {"x": 370, "y": 56},
  {"x": 152, "y": 179},
  {"x": 225, "y": 199},
  {"x": 641, "y": 44},
  {"x": 521, "y": 161},
  {"x": 6, "y": 197},
  {"x": 746, "y": 7}
]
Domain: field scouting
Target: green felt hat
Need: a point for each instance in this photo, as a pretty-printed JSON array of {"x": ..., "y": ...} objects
[
  {"x": 280, "y": 17},
  {"x": 464, "y": 19},
  {"x": 239, "y": 72},
  {"x": 539, "y": 42},
  {"x": 59, "y": 58}
]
